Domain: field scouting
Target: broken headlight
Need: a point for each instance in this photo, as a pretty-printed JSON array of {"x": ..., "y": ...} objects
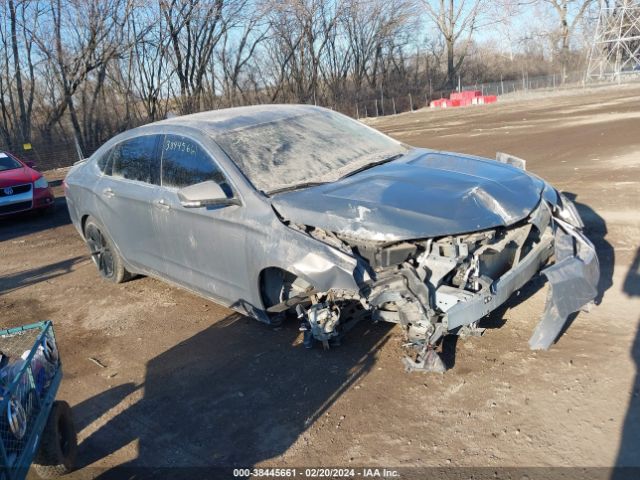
[{"x": 567, "y": 211}]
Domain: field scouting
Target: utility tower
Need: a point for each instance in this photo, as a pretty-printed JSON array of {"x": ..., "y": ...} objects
[{"x": 616, "y": 46}]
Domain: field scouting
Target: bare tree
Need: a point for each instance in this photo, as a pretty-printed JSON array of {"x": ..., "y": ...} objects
[
  {"x": 147, "y": 67},
  {"x": 80, "y": 38},
  {"x": 569, "y": 13},
  {"x": 456, "y": 21},
  {"x": 17, "y": 79},
  {"x": 334, "y": 68},
  {"x": 369, "y": 27},
  {"x": 239, "y": 46},
  {"x": 301, "y": 30},
  {"x": 195, "y": 29}
]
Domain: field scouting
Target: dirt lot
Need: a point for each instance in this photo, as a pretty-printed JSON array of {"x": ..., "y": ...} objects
[{"x": 188, "y": 383}]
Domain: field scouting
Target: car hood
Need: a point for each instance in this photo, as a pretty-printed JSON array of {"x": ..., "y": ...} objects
[
  {"x": 17, "y": 176},
  {"x": 421, "y": 195}
]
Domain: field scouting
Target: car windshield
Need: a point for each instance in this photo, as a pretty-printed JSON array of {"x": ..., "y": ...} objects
[
  {"x": 313, "y": 147},
  {"x": 8, "y": 163}
]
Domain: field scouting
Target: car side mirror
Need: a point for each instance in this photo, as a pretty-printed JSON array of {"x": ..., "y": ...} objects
[
  {"x": 205, "y": 194},
  {"x": 30, "y": 164}
]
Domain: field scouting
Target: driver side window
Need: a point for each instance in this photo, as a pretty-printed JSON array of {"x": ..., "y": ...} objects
[{"x": 185, "y": 163}]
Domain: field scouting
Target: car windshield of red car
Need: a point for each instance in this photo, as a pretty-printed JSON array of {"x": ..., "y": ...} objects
[{"x": 8, "y": 163}]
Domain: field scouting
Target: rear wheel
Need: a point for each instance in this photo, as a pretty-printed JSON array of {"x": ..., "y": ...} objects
[
  {"x": 103, "y": 253},
  {"x": 59, "y": 444}
]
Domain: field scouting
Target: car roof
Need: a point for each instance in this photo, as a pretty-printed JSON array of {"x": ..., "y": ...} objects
[{"x": 237, "y": 118}]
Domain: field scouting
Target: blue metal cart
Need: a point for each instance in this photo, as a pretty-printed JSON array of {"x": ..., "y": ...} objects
[{"x": 34, "y": 427}]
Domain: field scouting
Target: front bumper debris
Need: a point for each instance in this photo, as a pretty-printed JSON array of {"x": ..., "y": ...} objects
[
  {"x": 573, "y": 281},
  {"x": 445, "y": 286},
  {"x": 484, "y": 302}
]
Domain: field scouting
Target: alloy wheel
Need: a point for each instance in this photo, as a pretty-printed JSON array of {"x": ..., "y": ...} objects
[{"x": 100, "y": 251}]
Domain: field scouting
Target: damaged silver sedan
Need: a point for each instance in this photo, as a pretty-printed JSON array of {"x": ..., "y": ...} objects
[{"x": 281, "y": 210}]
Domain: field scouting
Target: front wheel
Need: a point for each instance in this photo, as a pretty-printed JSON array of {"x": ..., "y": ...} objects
[
  {"x": 59, "y": 443},
  {"x": 103, "y": 253}
]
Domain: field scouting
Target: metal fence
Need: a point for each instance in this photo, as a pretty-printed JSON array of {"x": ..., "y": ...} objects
[
  {"x": 383, "y": 105},
  {"x": 48, "y": 155},
  {"x": 547, "y": 82}
]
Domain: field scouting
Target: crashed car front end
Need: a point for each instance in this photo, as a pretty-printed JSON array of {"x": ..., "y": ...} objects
[{"x": 445, "y": 285}]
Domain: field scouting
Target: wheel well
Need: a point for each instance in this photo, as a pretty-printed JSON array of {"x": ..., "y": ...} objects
[
  {"x": 83, "y": 222},
  {"x": 277, "y": 285}
]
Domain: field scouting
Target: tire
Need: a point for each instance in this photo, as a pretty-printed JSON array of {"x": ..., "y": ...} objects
[
  {"x": 59, "y": 444},
  {"x": 103, "y": 253}
]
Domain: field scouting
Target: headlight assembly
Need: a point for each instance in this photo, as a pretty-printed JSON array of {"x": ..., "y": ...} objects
[
  {"x": 567, "y": 211},
  {"x": 41, "y": 183}
]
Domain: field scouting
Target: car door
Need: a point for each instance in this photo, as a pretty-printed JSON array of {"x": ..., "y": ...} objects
[
  {"x": 127, "y": 191},
  {"x": 203, "y": 248}
]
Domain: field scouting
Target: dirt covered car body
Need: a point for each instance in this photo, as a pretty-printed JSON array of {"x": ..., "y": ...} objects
[{"x": 275, "y": 209}]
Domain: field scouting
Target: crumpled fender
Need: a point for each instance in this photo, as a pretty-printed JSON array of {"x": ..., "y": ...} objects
[{"x": 573, "y": 281}]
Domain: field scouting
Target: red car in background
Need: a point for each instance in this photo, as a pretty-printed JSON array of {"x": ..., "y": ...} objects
[{"x": 21, "y": 187}]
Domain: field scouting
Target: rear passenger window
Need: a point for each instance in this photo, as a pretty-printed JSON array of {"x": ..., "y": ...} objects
[
  {"x": 104, "y": 163},
  {"x": 185, "y": 163},
  {"x": 136, "y": 159}
]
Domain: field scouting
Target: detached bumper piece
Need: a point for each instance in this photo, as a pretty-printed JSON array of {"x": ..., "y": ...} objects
[{"x": 573, "y": 282}]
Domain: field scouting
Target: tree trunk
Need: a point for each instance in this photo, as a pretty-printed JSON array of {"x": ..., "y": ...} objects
[
  {"x": 451, "y": 69},
  {"x": 24, "y": 121},
  {"x": 564, "y": 51}
]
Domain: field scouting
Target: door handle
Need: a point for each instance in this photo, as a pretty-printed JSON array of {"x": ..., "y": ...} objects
[
  {"x": 107, "y": 192},
  {"x": 162, "y": 203}
]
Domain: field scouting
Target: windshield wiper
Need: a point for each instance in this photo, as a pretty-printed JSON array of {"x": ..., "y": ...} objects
[
  {"x": 373, "y": 164},
  {"x": 297, "y": 186}
]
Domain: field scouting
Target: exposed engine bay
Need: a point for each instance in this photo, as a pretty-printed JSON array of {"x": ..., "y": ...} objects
[{"x": 445, "y": 286}]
